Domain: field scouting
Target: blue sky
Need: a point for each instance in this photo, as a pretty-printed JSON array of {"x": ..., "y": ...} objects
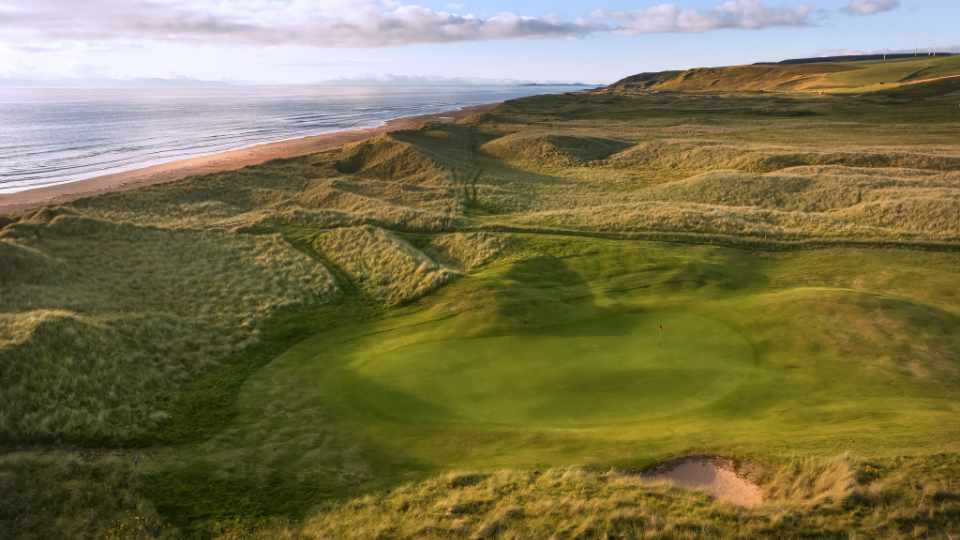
[{"x": 302, "y": 41}]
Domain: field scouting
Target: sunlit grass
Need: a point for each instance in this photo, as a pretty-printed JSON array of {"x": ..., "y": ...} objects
[{"x": 331, "y": 341}]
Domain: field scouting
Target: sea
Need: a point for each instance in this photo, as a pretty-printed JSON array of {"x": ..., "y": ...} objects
[{"x": 58, "y": 135}]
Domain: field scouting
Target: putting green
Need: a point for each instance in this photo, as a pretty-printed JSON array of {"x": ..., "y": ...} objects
[
  {"x": 614, "y": 369},
  {"x": 602, "y": 352}
]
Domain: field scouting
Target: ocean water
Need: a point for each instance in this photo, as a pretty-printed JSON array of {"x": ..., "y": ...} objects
[{"x": 53, "y": 136}]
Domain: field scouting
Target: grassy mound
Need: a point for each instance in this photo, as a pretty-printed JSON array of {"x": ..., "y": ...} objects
[
  {"x": 78, "y": 335},
  {"x": 81, "y": 496},
  {"x": 664, "y": 217},
  {"x": 551, "y": 150},
  {"x": 918, "y": 77},
  {"x": 466, "y": 251},
  {"x": 75, "y": 377},
  {"x": 738, "y": 189},
  {"x": 370, "y": 196},
  {"x": 678, "y": 154},
  {"x": 386, "y": 157},
  {"x": 384, "y": 266},
  {"x": 817, "y": 190},
  {"x": 307, "y": 191},
  {"x": 772, "y": 161},
  {"x": 394, "y": 204},
  {"x": 22, "y": 264},
  {"x": 808, "y": 201},
  {"x": 940, "y": 211},
  {"x": 702, "y": 156},
  {"x": 225, "y": 200}
]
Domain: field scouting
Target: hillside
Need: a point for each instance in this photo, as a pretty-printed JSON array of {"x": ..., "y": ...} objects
[
  {"x": 515, "y": 325},
  {"x": 833, "y": 75}
]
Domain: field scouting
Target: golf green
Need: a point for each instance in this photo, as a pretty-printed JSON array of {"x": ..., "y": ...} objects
[
  {"x": 613, "y": 369},
  {"x": 610, "y": 353}
]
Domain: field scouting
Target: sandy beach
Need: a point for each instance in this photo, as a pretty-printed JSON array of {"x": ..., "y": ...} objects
[{"x": 16, "y": 203}]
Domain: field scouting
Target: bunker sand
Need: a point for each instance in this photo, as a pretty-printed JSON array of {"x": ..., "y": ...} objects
[{"x": 715, "y": 477}]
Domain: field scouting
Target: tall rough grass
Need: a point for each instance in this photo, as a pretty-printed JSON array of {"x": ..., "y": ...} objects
[
  {"x": 551, "y": 150},
  {"x": 96, "y": 341},
  {"x": 467, "y": 251},
  {"x": 805, "y": 498},
  {"x": 384, "y": 266},
  {"x": 68, "y": 495}
]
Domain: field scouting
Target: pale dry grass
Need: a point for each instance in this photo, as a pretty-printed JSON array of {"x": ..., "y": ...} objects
[
  {"x": 467, "y": 251},
  {"x": 391, "y": 204},
  {"x": 705, "y": 154},
  {"x": 797, "y": 202},
  {"x": 304, "y": 191},
  {"x": 812, "y": 482},
  {"x": 384, "y": 266},
  {"x": 575, "y": 177},
  {"x": 99, "y": 348},
  {"x": 552, "y": 150},
  {"x": 81, "y": 496},
  {"x": 814, "y": 497},
  {"x": 389, "y": 158},
  {"x": 667, "y": 217}
]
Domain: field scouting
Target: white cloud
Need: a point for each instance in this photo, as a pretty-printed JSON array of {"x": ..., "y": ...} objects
[
  {"x": 321, "y": 23},
  {"x": 363, "y": 23},
  {"x": 743, "y": 14},
  {"x": 871, "y": 7}
]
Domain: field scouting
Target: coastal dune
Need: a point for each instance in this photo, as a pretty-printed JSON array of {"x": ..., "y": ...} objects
[{"x": 15, "y": 203}]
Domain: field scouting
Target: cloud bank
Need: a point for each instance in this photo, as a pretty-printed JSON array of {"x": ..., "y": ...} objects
[
  {"x": 742, "y": 14},
  {"x": 319, "y": 23},
  {"x": 362, "y": 23},
  {"x": 871, "y": 7}
]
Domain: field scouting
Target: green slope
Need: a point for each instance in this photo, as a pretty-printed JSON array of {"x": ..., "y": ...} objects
[{"x": 834, "y": 76}]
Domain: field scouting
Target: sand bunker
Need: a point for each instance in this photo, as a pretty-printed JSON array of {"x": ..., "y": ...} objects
[{"x": 714, "y": 476}]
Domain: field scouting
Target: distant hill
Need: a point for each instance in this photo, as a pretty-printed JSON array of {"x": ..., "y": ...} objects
[
  {"x": 903, "y": 74},
  {"x": 856, "y": 58}
]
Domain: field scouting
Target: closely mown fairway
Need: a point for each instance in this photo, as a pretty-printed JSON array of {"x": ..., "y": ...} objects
[{"x": 488, "y": 328}]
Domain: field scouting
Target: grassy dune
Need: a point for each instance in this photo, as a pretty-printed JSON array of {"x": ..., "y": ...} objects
[
  {"x": 103, "y": 322},
  {"x": 384, "y": 266},
  {"x": 824, "y": 77},
  {"x": 490, "y": 328}
]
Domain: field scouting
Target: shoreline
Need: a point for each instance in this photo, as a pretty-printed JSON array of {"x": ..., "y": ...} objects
[{"x": 24, "y": 201}]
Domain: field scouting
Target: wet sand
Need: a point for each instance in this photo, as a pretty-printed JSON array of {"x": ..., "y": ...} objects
[{"x": 15, "y": 203}]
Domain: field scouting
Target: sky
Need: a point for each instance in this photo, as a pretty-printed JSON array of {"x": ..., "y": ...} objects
[{"x": 306, "y": 41}]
